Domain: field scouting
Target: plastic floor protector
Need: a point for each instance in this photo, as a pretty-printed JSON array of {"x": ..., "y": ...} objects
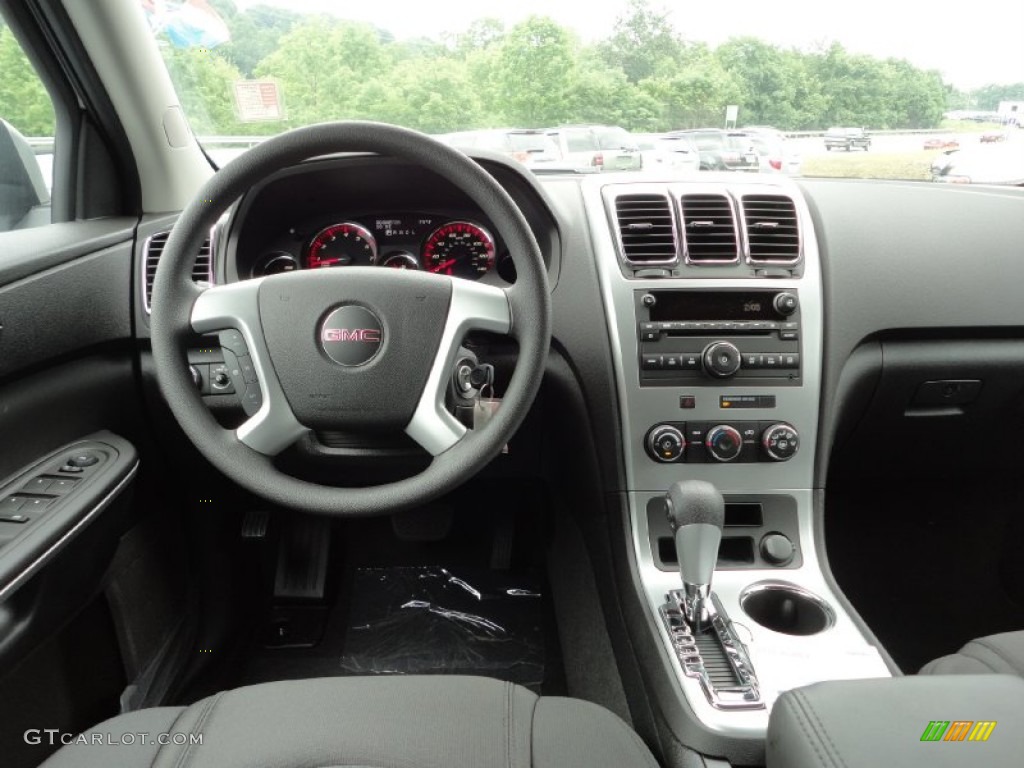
[{"x": 435, "y": 620}]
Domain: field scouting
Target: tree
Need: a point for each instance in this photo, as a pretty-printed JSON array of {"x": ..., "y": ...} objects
[
  {"x": 531, "y": 73},
  {"x": 255, "y": 32},
  {"x": 435, "y": 97},
  {"x": 642, "y": 40},
  {"x": 24, "y": 102},
  {"x": 323, "y": 66},
  {"x": 205, "y": 84}
]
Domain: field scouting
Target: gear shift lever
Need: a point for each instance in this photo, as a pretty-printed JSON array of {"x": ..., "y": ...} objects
[{"x": 696, "y": 512}]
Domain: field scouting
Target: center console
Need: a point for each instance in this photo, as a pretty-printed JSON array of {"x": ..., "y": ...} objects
[{"x": 713, "y": 294}]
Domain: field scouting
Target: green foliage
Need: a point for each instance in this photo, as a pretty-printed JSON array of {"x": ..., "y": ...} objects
[
  {"x": 987, "y": 98},
  {"x": 642, "y": 40},
  {"x": 24, "y": 102},
  {"x": 323, "y": 66},
  {"x": 643, "y": 76}
]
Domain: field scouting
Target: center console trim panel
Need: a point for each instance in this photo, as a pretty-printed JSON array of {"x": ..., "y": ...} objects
[{"x": 781, "y": 661}]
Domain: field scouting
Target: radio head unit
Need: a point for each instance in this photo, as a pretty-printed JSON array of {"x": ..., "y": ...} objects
[{"x": 689, "y": 337}]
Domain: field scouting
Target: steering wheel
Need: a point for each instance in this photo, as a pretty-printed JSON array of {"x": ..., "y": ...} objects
[{"x": 352, "y": 349}]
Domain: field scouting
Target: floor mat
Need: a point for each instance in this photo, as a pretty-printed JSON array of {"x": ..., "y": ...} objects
[{"x": 433, "y": 620}]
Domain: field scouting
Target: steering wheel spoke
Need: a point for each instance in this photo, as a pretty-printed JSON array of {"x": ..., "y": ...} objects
[
  {"x": 233, "y": 310},
  {"x": 474, "y": 307}
]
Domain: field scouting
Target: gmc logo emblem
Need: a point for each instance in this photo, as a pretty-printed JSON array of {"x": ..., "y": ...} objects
[{"x": 355, "y": 334}]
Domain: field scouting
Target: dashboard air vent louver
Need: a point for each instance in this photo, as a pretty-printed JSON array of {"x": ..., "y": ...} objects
[
  {"x": 202, "y": 270},
  {"x": 647, "y": 230},
  {"x": 709, "y": 229},
  {"x": 773, "y": 234}
]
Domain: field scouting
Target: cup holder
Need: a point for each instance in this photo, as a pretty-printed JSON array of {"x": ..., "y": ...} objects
[{"x": 786, "y": 608}]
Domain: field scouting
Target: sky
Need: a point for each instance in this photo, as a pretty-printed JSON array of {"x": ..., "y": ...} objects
[{"x": 970, "y": 45}]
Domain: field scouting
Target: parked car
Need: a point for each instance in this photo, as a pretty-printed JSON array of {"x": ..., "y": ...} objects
[
  {"x": 938, "y": 142},
  {"x": 531, "y": 147},
  {"x": 777, "y": 155},
  {"x": 847, "y": 139},
  {"x": 1001, "y": 164},
  {"x": 722, "y": 150},
  {"x": 991, "y": 137},
  {"x": 662, "y": 152},
  {"x": 601, "y": 146}
]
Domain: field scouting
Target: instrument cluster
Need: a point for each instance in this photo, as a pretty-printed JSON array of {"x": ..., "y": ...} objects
[{"x": 440, "y": 244}]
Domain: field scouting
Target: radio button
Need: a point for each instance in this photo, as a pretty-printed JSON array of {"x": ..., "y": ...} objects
[
  {"x": 786, "y": 303},
  {"x": 651, "y": 362},
  {"x": 791, "y": 361},
  {"x": 721, "y": 359},
  {"x": 650, "y": 335},
  {"x": 771, "y": 361},
  {"x": 672, "y": 362},
  {"x": 789, "y": 335},
  {"x": 752, "y": 360},
  {"x": 690, "y": 362}
]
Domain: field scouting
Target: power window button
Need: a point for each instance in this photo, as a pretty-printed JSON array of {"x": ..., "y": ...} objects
[
  {"x": 35, "y": 504},
  {"x": 38, "y": 485},
  {"x": 11, "y": 504},
  {"x": 61, "y": 486}
]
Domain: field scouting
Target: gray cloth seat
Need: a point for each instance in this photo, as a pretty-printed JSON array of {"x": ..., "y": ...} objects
[
  {"x": 385, "y": 722},
  {"x": 1002, "y": 654}
]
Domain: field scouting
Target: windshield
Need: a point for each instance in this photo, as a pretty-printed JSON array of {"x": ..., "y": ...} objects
[{"x": 880, "y": 93}]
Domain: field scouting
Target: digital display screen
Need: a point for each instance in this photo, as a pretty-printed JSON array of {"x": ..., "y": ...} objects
[{"x": 713, "y": 305}]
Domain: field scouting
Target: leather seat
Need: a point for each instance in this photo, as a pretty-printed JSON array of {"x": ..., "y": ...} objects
[
  {"x": 386, "y": 722},
  {"x": 996, "y": 653}
]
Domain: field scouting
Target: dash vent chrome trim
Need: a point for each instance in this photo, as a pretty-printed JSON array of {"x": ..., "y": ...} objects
[
  {"x": 153, "y": 248},
  {"x": 771, "y": 229},
  {"x": 710, "y": 231},
  {"x": 645, "y": 229}
]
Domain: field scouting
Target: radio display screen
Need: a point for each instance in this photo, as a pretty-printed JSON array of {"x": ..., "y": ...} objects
[{"x": 712, "y": 305}]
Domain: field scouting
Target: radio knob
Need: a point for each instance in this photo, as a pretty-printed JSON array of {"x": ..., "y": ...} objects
[
  {"x": 781, "y": 441},
  {"x": 721, "y": 359},
  {"x": 786, "y": 303},
  {"x": 665, "y": 443},
  {"x": 724, "y": 443}
]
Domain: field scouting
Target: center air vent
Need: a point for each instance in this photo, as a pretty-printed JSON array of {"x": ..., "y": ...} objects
[
  {"x": 773, "y": 234},
  {"x": 202, "y": 270},
  {"x": 647, "y": 230},
  {"x": 709, "y": 229}
]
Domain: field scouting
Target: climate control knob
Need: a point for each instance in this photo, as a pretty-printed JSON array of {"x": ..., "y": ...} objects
[
  {"x": 781, "y": 441},
  {"x": 665, "y": 443},
  {"x": 721, "y": 359},
  {"x": 723, "y": 442}
]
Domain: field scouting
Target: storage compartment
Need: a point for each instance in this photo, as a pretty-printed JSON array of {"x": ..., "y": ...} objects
[{"x": 786, "y": 608}]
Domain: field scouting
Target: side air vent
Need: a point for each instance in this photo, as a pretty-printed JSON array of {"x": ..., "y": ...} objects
[
  {"x": 773, "y": 235},
  {"x": 647, "y": 230},
  {"x": 202, "y": 270},
  {"x": 709, "y": 229}
]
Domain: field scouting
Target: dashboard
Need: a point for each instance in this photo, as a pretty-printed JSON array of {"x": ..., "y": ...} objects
[{"x": 730, "y": 328}]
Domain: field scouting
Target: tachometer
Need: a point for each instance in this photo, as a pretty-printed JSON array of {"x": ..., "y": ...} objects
[
  {"x": 342, "y": 245},
  {"x": 459, "y": 249}
]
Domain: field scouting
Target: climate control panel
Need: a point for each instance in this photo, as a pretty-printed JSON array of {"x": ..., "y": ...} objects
[{"x": 707, "y": 442}]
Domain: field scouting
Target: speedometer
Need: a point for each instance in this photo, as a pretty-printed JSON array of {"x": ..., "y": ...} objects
[
  {"x": 459, "y": 249},
  {"x": 342, "y": 245}
]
